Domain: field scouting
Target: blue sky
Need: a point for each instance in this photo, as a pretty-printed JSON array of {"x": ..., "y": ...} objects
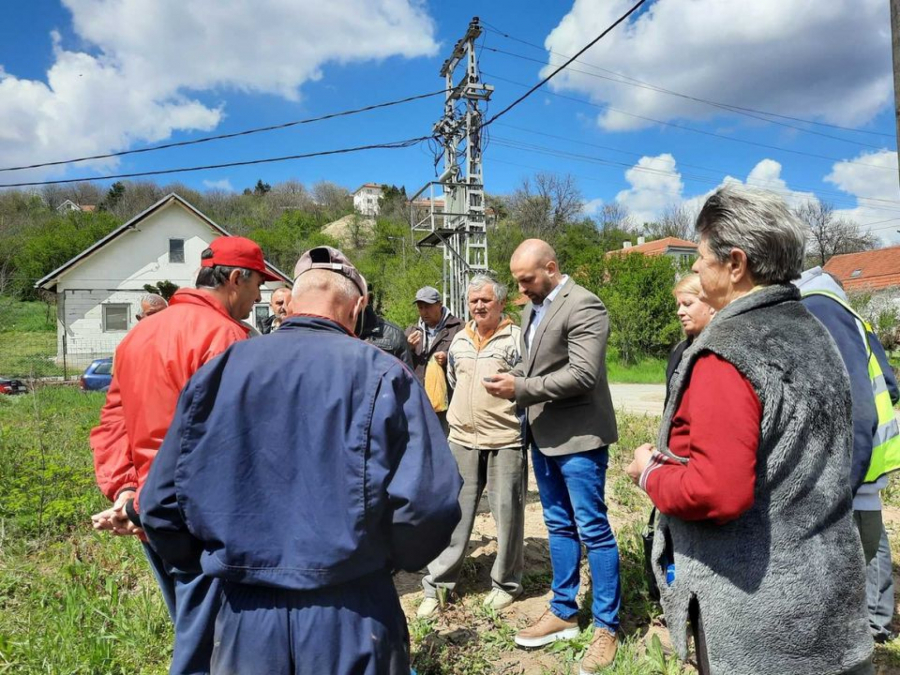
[{"x": 84, "y": 77}]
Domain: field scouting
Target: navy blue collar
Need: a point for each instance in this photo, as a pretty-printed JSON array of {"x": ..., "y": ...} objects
[{"x": 313, "y": 323}]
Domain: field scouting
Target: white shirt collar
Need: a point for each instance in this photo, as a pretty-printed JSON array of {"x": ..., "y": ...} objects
[{"x": 552, "y": 295}]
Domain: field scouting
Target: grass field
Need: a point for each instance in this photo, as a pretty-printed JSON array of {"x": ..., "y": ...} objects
[
  {"x": 74, "y": 601},
  {"x": 27, "y": 339},
  {"x": 646, "y": 371}
]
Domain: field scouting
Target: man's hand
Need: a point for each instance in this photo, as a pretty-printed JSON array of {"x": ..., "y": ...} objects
[
  {"x": 441, "y": 358},
  {"x": 115, "y": 519},
  {"x": 103, "y": 520},
  {"x": 110, "y": 518},
  {"x": 414, "y": 338},
  {"x": 639, "y": 463},
  {"x": 501, "y": 386}
]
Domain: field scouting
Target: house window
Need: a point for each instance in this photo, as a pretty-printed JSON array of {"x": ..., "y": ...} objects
[
  {"x": 855, "y": 274},
  {"x": 115, "y": 318},
  {"x": 176, "y": 250}
]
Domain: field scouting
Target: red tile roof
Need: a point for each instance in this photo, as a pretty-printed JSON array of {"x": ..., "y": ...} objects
[
  {"x": 658, "y": 247},
  {"x": 868, "y": 270}
]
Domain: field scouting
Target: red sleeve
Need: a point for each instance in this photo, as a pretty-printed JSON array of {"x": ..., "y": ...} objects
[
  {"x": 113, "y": 465},
  {"x": 724, "y": 416}
]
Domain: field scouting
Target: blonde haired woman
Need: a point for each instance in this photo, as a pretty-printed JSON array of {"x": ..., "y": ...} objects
[{"x": 694, "y": 315}]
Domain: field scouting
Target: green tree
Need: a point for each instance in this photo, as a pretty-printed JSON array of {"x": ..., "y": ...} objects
[
  {"x": 113, "y": 197},
  {"x": 164, "y": 288},
  {"x": 49, "y": 244},
  {"x": 261, "y": 189},
  {"x": 637, "y": 292}
]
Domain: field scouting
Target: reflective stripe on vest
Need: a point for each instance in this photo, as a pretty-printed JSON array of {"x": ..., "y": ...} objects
[{"x": 886, "y": 442}]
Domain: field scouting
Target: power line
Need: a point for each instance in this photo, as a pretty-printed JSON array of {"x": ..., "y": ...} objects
[
  {"x": 694, "y": 130},
  {"x": 516, "y": 145},
  {"x": 564, "y": 65},
  {"x": 378, "y": 146},
  {"x": 865, "y": 226},
  {"x": 682, "y": 164},
  {"x": 695, "y": 99},
  {"x": 219, "y": 137},
  {"x": 654, "y": 87}
]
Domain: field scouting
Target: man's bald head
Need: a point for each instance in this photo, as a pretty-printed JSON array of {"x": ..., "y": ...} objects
[
  {"x": 535, "y": 269},
  {"x": 324, "y": 293},
  {"x": 535, "y": 252}
]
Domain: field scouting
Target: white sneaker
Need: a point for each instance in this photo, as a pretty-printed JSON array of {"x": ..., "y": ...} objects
[
  {"x": 498, "y": 599},
  {"x": 428, "y": 609}
]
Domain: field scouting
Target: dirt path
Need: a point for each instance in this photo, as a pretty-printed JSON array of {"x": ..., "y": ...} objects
[{"x": 467, "y": 639}]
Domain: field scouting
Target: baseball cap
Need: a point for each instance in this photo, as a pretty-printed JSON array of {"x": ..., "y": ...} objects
[
  {"x": 328, "y": 258},
  {"x": 428, "y": 294},
  {"x": 238, "y": 252}
]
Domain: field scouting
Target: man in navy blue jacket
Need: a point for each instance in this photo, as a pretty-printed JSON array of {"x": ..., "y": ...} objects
[
  {"x": 302, "y": 526},
  {"x": 851, "y": 338}
]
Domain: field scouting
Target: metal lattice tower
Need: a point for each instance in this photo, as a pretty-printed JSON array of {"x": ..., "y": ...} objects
[{"x": 459, "y": 228}]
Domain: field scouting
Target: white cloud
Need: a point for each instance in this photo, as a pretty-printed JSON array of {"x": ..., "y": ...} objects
[
  {"x": 592, "y": 207},
  {"x": 655, "y": 186},
  {"x": 875, "y": 188},
  {"x": 147, "y": 62},
  {"x": 223, "y": 184},
  {"x": 764, "y": 54},
  {"x": 766, "y": 175}
]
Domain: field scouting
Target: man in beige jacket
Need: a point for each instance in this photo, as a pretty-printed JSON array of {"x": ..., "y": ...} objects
[{"x": 486, "y": 440}]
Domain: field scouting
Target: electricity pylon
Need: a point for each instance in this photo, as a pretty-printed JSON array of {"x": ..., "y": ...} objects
[{"x": 458, "y": 225}]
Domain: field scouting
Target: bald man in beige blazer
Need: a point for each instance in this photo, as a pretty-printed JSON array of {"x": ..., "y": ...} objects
[{"x": 562, "y": 386}]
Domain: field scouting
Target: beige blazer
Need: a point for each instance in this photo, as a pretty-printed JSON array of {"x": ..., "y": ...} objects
[{"x": 561, "y": 381}]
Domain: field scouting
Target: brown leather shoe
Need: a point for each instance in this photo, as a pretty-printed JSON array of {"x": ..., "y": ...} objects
[
  {"x": 600, "y": 654},
  {"x": 547, "y": 629}
]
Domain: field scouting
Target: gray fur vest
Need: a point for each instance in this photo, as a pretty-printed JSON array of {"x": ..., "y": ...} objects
[{"x": 781, "y": 589}]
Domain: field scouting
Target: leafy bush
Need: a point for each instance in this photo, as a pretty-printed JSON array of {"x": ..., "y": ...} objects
[
  {"x": 637, "y": 292},
  {"x": 46, "y": 470}
]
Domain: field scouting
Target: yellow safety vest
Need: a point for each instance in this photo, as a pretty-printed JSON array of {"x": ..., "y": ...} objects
[{"x": 886, "y": 444}]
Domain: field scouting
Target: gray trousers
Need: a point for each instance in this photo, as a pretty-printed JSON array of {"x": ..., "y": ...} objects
[
  {"x": 880, "y": 589},
  {"x": 505, "y": 472}
]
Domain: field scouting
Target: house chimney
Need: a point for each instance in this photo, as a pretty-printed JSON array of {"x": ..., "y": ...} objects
[
  {"x": 626, "y": 244},
  {"x": 641, "y": 240}
]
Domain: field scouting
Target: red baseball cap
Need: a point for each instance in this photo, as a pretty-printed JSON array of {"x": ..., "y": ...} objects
[{"x": 238, "y": 252}]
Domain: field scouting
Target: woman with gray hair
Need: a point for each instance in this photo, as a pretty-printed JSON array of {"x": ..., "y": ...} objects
[{"x": 756, "y": 548}]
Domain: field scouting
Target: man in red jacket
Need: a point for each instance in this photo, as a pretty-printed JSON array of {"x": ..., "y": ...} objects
[{"x": 153, "y": 363}]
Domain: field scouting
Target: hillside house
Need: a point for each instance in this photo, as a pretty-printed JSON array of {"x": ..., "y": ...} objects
[
  {"x": 98, "y": 291},
  {"x": 69, "y": 205},
  {"x": 681, "y": 250},
  {"x": 366, "y": 197}
]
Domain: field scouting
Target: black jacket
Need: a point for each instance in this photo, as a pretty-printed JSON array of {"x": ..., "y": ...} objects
[{"x": 387, "y": 336}]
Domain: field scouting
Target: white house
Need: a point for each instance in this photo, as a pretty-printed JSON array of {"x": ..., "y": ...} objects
[
  {"x": 365, "y": 199},
  {"x": 69, "y": 205},
  {"x": 98, "y": 291}
]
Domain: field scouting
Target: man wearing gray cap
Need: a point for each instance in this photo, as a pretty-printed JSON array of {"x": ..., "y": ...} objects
[
  {"x": 301, "y": 527},
  {"x": 429, "y": 340}
]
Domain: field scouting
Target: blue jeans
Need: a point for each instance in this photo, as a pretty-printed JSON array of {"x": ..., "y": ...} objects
[{"x": 571, "y": 489}]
